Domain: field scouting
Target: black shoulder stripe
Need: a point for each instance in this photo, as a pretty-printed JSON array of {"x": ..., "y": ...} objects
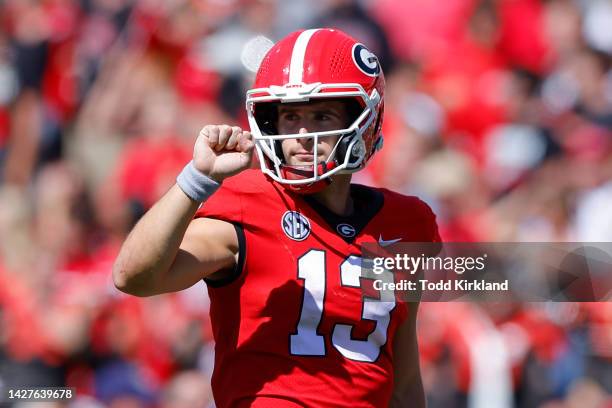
[{"x": 238, "y": 269}]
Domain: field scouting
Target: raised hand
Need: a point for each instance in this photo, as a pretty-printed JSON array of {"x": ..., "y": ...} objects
[{"x": 222, "y": 151}]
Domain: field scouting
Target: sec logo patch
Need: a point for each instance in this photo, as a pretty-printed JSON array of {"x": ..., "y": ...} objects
[{"x": 295, "y": 225}]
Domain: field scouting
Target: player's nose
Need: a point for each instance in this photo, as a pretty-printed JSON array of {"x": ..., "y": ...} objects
[{"x": 306, "y": 142}]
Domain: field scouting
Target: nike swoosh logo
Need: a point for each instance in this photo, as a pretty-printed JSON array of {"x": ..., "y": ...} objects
[{"x": 383, "y": 243}]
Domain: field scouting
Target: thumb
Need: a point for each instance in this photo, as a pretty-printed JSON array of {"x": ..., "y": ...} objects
[{"x": 246, "y": 143}]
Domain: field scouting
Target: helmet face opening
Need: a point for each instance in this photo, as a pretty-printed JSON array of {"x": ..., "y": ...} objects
[
  {"x": 347, "y": 155},
  {"x": 266, "y": 113},
  {"x": 304, "y": 68}
]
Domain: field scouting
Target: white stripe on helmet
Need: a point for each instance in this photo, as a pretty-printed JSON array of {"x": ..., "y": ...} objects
[{"x": 296, "y": 69}]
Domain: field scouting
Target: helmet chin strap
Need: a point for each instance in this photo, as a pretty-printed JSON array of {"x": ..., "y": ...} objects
[{"x": 301, "y": 172}]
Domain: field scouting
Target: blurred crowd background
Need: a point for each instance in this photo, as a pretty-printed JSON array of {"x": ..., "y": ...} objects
[{"x": 498, "y": 114}]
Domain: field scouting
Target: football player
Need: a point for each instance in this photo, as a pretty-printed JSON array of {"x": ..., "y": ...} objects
[{"x": 280, "y": 248}]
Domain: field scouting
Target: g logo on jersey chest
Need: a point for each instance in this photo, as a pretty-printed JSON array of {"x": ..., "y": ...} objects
[
  {"x": 346, "y": 230},
  {"x": 295, "y": 225}
]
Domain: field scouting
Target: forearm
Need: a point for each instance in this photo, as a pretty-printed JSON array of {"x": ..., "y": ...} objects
[
  {"x": 407, "y": 383},
  {"x": 150, "y": 248},
  {"x": 412, "y": 395}
]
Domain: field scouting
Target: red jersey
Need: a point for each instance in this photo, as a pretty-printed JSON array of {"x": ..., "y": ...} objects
[{"x": 291, "y": 327}]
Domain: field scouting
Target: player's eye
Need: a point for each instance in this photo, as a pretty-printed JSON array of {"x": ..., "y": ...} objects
[
  {"x": 290, "y": 116},
  {"x": 322, "y": 116}
]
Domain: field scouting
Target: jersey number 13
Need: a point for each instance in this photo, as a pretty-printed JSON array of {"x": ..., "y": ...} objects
[{"x": 307, "y": 342}]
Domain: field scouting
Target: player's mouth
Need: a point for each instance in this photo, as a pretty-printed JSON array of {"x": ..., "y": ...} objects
[{"x": 303, "y": 158}]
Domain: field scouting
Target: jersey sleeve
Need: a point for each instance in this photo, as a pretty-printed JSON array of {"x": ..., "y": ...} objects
[
  {"x": 433, "y": 224},
  {"x": 225, "y": 204},
  {"x": 430, "y": 228},
  {"x": 419, "y": 216}
]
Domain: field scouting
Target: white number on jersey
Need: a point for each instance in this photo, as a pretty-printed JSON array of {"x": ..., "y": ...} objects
[{"x": 307, "y": 342}]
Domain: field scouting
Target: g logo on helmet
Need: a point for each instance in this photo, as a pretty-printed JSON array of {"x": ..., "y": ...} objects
[
  {"x": 295, "y": 225},
  {"x": 365, "y": 60}
]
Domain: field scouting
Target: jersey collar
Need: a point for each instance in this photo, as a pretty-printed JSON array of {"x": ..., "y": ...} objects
[{"x": 367, "y": 203}]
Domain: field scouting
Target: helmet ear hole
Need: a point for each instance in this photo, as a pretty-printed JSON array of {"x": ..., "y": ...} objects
[{"x": 343, "y": 147}]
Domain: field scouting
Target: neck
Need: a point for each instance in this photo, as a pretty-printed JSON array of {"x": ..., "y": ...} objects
[{"x": 337, "y": 196}]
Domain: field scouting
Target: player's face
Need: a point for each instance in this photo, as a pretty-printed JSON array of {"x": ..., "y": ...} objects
[{"x": 315, "y": 116}]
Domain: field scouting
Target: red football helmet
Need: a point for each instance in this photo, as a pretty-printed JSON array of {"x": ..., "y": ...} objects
[{"x": 309, "y": 64}]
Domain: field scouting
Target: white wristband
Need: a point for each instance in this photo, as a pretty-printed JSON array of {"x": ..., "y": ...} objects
[{"x": 196, "y": 184}]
